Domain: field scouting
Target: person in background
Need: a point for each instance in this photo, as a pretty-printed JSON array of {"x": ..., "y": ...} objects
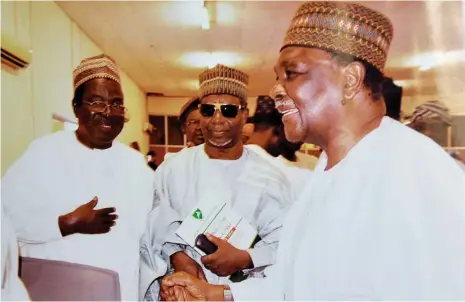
[
  {"x": 383, "y": 214},
  {"x": 221, "y": 170},
  {"x": 189, "y": 116},
  {"x": 433, "y": 119},
  {"x": 268, "y": 140},
  {"x": 247, "y": 130},
  {"x": 81, "y": 196},
  {"x": 13, "y": 288},
  {"x": 135, "y": 146},
  {"x": 152, "y": 160}
]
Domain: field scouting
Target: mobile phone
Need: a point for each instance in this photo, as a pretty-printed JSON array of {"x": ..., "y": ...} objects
[{"x": 205, "y": 245}]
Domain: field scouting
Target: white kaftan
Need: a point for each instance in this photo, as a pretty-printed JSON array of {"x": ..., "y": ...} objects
[
  {"x": 385, "y": 223},
  {"x": 298, "y": 177},
  {"x": 13, "y": 288},
  {"x": 56, "y": 175},
  {"x": 254, "y": 188}
]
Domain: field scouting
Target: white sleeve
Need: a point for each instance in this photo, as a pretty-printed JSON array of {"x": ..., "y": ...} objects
[
  {"x": 32, "y": 217},
  {"x": 274, "y": 204},
  {"x": 13, "y": 288},
  {"x": 259, "y": 289}
]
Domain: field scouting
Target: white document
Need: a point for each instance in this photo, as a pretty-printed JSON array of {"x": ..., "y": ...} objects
[{"x": 218, "y": 219}]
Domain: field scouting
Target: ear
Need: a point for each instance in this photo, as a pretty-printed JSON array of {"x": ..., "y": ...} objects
[
  {"x": 245, "y": 115},
  {"x": 183, "y": 128},
  {"x": 75, "y": 108},
  {"x": 354, "y": 73}
]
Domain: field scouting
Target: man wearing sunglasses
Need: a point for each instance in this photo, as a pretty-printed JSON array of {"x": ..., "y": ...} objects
[
  {"x": 83, "y": 197},
  {"x": 433, "y": 119},
  {"x": 222, "y": 170}
]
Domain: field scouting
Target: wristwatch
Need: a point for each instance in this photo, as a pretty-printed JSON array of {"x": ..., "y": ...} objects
[{"x": 227, "y": 294}]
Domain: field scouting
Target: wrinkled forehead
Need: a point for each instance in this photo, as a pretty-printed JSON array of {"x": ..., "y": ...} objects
[
  {"x": 103, "y": 87},
  {"x": 297, "y": 55},
  {"x": 220, "y": 99}
]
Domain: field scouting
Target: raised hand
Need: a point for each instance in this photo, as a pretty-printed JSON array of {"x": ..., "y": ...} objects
[
  {"x": 86, "y": 220},
  {"x": 227, "y": 259}
]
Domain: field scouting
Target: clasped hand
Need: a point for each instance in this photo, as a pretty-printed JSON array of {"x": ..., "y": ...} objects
[{"x": 184, "y": 287}]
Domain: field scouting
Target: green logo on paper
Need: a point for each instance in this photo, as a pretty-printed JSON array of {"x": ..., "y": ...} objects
[{"x": 198, "y": 214}]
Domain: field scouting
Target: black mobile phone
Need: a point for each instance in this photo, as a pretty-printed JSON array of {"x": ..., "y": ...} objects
[{"x": 205, "y": 245}]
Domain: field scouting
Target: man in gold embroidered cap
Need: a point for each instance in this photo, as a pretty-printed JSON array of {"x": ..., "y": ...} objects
[
  {"x": 82, "y": 197},
  {"x": 377, "y": 217},
  {"x": 222, "y": 170}
]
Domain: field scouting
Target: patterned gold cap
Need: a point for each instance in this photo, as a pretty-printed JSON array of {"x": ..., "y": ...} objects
[
  {"x": 191, "y": 103},
  {"x": 223, "y": 80},
  {"x": 101, "y": 66},
  {"x": 344, "y": 27}
]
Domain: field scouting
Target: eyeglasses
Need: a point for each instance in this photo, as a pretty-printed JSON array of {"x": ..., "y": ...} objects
[
  {"x": 227, "y": 110},
  {"x": 101, "y": 107}
]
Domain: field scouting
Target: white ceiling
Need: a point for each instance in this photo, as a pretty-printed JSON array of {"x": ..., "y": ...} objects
[{"x": 163, "y": 48}]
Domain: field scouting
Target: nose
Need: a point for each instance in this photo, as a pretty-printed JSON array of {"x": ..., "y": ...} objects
[
  {"x": 277, "y": 92},
  {"x": 217, "y": 116},
  {"x": 107, "y": 110}
]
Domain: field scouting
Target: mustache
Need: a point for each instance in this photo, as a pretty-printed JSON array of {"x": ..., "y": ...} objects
[{"x": 97, "y": 118}]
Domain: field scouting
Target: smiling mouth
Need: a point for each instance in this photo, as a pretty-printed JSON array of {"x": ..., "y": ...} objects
[{"x": 286, "y": 107}]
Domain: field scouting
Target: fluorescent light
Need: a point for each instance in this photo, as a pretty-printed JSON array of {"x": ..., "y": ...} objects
[
  {"x": 426, "y": 61},
  {"x": 205, "y": 19}
]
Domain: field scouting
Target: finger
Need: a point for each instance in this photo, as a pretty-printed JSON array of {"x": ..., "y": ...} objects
[
  {"x": 181, "y": 279},
  {"x": 103, "y": 229},
  {"x": 93, "y": 203},
  {"x": 105, "y": 211},
  {"x": 110, "y": 218},
  {"x": 208, "y": 259},
  {"x": 179, "y": 294},
  {"x": 217, "y": 241}
]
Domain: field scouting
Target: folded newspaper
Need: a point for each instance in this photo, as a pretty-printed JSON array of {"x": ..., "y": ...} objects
[{"x": 220, "y": 220}]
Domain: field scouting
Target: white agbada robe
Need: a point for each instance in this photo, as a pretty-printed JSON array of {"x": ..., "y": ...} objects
[
  {"x": 296, "y": 176},
  {"x": 254, "y": 188},
  {"x": 56, "y": 175},
  {"x": 13, "y": 288},
  {"x": 385, "y": 223}
]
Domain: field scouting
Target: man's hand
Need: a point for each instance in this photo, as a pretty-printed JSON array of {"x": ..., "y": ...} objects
[
  {"x": 184, "y": 287},
  {"x": 183, "y": 263},
  {"x": 227, "y": 259},
  {"x": 86, "y": 220}
]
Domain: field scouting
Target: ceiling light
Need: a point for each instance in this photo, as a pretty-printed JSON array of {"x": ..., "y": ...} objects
[
  {"x": 404, "y": 83},
  {"x": 426, "y": 61}
]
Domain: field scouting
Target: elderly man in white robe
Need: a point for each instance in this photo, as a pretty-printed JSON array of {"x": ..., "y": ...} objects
[
  {"x": 221, "y": 170},
  {"x": 383, "y": 215},
  {"x": 81, "y": 196}
]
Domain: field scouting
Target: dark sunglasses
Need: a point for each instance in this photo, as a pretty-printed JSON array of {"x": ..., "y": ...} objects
[{"x": 227, "y": 110}]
